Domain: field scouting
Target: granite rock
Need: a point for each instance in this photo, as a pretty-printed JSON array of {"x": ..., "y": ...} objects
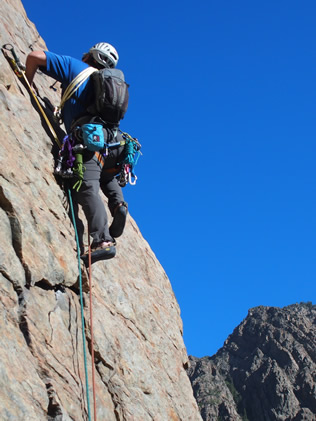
[{"x": 140, "y": 357}]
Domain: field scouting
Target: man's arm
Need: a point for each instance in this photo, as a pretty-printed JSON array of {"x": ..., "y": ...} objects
[{"x": 34, "y": 60}]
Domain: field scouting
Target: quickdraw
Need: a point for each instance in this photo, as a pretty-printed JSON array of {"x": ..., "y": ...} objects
[
  {"x": 132, "y": 150},
  {"x": 126, "y": 176},
  {"x": 19, "y": 70}
]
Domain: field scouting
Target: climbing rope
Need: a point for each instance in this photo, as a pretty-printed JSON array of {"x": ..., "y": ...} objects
[
  {"x": 81, "y": 303},
  {"x": 19, "y": 70},
  {"x": 75, "y": 85},
  {"x": 91, "y": 333}
]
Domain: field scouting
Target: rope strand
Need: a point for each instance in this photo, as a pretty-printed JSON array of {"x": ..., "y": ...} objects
[
  {"x": 91, "y": 333},
  {"x": 81, "y": 304}
]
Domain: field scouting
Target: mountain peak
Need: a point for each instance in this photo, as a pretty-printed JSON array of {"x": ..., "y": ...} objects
[{"x": 265, "y": 370}]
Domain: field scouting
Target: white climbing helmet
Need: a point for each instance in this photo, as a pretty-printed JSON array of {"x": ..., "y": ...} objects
[{"x": 105, "y": 54}]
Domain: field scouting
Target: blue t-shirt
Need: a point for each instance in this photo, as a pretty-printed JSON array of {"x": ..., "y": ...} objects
[{"x": 64, "y": 69}]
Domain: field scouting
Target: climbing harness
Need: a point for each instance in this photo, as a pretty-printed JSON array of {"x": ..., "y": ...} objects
[
  {"x": 70, "y": 159},
  {"x": 19, "y": 70}
]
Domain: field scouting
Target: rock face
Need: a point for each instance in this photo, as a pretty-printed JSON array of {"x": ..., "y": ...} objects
[
  {"x": 139, "y": 351},
  {"x": 266, "y": 370}
]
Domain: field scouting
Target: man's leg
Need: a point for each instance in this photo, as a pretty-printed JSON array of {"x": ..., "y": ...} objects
[
  {"x": 89, "y": 198},
  {"x": 117, "y": 206}
]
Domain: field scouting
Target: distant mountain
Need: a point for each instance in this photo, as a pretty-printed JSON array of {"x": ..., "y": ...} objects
[{"x": 265, "y": 371}]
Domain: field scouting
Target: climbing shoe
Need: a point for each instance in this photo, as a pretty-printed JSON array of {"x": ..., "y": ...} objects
[
  {"x": 119, "y": 220},
  {"x": 102, "y": 251}
]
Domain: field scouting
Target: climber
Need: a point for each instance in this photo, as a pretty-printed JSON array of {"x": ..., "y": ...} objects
[{"x": 97, "y": 173}]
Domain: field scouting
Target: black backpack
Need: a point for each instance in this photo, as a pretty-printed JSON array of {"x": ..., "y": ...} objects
[{"x": 110, "y": 95}]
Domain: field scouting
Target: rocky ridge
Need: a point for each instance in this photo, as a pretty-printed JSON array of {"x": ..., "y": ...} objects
[
  {"x": 139, "y": 351},
  {"x": 266, "y": 370}
]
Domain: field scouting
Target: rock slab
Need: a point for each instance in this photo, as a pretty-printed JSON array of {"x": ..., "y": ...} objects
[{"x": 139, "y": 351}]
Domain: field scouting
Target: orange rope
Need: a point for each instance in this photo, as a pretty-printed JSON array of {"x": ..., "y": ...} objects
[{"x": 91, "y": 330}]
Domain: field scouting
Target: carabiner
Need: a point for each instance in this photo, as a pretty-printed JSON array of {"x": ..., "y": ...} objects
[{"x": 130, "y": 175}]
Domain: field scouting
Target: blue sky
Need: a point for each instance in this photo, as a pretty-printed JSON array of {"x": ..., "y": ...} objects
[{"x": 222, "y": 98}]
